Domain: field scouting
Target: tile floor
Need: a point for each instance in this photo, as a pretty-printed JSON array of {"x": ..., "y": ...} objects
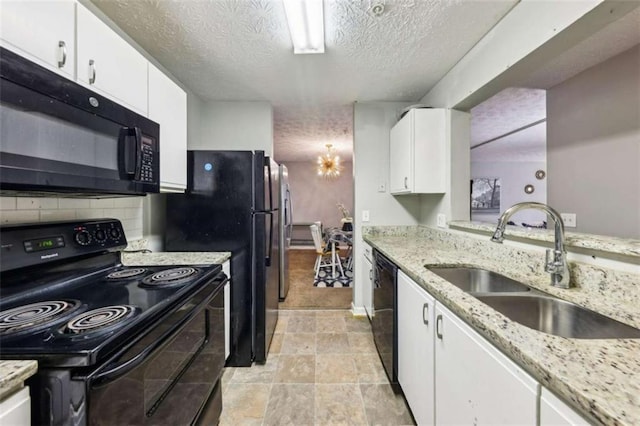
[{"x": 322, "y": 369}]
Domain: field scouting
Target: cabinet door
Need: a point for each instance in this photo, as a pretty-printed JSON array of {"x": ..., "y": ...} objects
[
  {"x": 415, "y": 348},
  {"x": 109, "y": 65},
  {"x": 401, "y": 156},
  {"x": 168, "y": 107},
  {"x": 476, "y": 383},
  {"x": 554, "y": 411},
  {"x": 367, "y": 280},
  {"x": 41, "y": 31},
  {"x": 16, "y": 409},
  {"x": 430, "y": 144}
]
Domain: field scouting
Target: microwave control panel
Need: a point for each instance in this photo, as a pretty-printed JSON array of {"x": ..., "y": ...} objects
[{"x": 147, "y": 170}]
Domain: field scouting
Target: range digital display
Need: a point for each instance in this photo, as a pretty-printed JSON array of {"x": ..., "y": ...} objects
[{"x": 43, "y": 244}]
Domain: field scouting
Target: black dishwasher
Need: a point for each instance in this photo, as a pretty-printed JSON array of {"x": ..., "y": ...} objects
[{"x": 384, "y": 321}]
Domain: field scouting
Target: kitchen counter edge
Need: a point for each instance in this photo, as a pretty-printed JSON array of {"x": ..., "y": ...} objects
[{"x": 13, "y": 374}]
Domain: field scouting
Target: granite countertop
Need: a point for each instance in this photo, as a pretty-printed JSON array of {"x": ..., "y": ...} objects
[
  {"x": 600, "y": 377},
  {"x": 13, "y": 374},
  {"x": 175, "y": 258}
]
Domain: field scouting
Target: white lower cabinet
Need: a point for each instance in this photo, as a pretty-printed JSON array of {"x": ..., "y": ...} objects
[
  {"x": 476, "y": 383},
  {"x": 15, "y": 410},
  {"x": 554, "y": 411},
  {"x": 416, "y": 348},
  {"x": 366, "y": 269}
]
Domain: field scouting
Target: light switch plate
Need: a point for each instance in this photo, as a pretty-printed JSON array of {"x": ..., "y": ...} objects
[
  {"x": 365, "y": 215},
  {"x": 569, "y": 219},
  {"x": 442, "y": 220}
]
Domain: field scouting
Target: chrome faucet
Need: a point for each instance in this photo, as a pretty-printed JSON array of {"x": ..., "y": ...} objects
[{"x": 556, "y": 259}]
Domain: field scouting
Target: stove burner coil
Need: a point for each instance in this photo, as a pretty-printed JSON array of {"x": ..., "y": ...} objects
[
  {"x": 99, "y": 318},
  {"x": 35, "y": 315},
  {"x": 126, "y": 273},
  {"x": 170, "y": 277}
]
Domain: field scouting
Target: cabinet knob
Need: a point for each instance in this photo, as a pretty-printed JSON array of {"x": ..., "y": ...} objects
[
  {"x": 425, "y": 314},
  {"x": 92, "y": 71},
  {"x": 406, "y": 185},
  {"x": 438, "y": 327},
  {"x": 63, "y": 52}
]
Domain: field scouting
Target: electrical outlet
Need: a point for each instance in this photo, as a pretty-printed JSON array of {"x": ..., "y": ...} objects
[
  {"x": 442, "y": 220},
  {"x": 569, "y": 219},
  {"x": 365, "y": 215}
]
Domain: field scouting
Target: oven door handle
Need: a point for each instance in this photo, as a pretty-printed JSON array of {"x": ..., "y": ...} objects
[{"x": 112, "y": 374}]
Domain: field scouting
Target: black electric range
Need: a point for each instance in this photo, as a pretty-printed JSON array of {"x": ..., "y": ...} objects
[{"x": 115, "y": 344}]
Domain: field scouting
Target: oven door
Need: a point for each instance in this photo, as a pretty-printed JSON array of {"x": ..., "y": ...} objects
[
  {"x": 170, "y": 377},
  {"x": 57, "y": 136}
]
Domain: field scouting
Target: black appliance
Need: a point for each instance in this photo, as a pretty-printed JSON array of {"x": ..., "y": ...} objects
[
  {"x": 57, "y": 136},
  {"x": 231, "y": 204},
  {"x": 384, "y": 322},
  {"x": 115, "y": 344}
]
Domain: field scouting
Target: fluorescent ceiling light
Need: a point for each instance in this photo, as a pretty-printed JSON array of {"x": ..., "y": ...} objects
[{"x": 306, "y": 25}]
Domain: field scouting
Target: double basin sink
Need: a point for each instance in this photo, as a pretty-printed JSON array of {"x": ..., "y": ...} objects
[{"x": 532, "y": 308}]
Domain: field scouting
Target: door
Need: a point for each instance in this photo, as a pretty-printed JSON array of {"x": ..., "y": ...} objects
[
  {"x": 416, "y": 313},
  {"x": 475, "y": 383}
]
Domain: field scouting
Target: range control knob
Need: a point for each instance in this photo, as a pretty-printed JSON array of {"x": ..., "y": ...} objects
[
  {"x": 115, "y": 234},
  {"x": 83, "y": 238},
  {"x": 100, "y": 235}
]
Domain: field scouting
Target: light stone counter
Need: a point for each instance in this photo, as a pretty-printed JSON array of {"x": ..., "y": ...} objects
[
  {"x": 13, "y": 374},
  {"x": 175, "y": 258},
  {"x": 600, "y": 378}
]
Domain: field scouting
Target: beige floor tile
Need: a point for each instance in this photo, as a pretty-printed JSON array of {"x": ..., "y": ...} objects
[
  {"x": 335, "y": 368},
  {"x": 332, "y": 343},
  {"x": 244, "y": 403},
  {"x": 344, "y": 313},
  {"x": 281, "y": 325},
  {"x": 291, "y": 404},
  {"x": 361, "y": 343},
  {"x": 227, "y": 374},
  {"x": 296, "y": 369},
  {"x": 358, "y": 324},
  {"x": 299, "y": 343},
  {"x": 370, "y": 369},
  {"x": 276, "y": 344},
  {"x": 257, "y": 373},
  {"x": 383, "y": 407},
  {"x": 330, "y": 324},
  {"x": 301, "y": 324},
  {"x": 339, "y": 404}
]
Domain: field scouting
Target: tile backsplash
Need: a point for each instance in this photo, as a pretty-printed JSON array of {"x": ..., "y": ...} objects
[{"x": 44, "y": 209}]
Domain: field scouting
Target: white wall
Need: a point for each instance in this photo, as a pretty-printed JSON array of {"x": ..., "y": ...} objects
[
  {"x": 234, "y": 126},
  {"x": 513, "y": 177},
  {"x": 372, "y": 122},
  {"x": 315, "y": 198},
  {"x": 45, "y": 209},
  {"x": 593, "y": 146}
]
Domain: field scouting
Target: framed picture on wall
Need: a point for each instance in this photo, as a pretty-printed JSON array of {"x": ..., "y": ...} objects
[{"x": 485, "y": 195}]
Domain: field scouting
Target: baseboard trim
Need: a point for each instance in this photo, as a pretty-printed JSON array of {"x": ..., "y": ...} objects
[{"x": 358, "y": 311}]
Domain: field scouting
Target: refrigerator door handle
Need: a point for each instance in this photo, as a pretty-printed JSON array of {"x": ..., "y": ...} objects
[
  {"x": 267, "y": 260},
  {"x": 268, "y": 167},
  {"x": 289, "y": 208}
]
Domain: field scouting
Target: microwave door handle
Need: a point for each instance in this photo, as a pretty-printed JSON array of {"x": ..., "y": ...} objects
[{"x": 129, "y": 152}]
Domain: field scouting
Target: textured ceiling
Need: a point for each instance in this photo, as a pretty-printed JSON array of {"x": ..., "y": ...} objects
[{"x": 241, "y": 50}]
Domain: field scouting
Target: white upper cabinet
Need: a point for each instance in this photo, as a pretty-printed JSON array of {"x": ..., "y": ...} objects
[
  {"x": 41, "y": 31},
  {"x": 418, "y": 152},
  {"x": 108, "y": 64},
  {"x": 168, "y": 107}
]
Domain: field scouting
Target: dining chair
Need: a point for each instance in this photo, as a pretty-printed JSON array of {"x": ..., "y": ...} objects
[{"x": 325, "y": 253}]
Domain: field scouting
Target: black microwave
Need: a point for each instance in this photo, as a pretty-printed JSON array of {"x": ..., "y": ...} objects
[{"x": 59, "y": 137}]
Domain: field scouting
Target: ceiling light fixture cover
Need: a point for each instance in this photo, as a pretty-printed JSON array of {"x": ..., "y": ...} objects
[
  {"x": 329, "y": 164},
  {"x": 306, "y": 25}
]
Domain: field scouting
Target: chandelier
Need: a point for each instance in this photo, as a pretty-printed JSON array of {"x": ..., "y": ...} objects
[{"x": 329, "y": 164}]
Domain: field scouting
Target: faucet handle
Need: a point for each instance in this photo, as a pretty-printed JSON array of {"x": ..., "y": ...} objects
[{"x": 551, "y": 261}]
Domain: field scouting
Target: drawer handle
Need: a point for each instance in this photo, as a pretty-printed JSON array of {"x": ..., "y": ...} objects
[
  {"x": 438, "y": 326},
  {"x": 63, "y": 51},
  {"x": 92, "y": 69},
  {"x": 425, "y": 314},
  {"x": 406, "y": 185},
  {"x": 371, "y": 274}
]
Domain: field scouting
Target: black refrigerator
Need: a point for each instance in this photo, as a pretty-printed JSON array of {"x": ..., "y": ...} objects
[{"x": 231, "y": 204}]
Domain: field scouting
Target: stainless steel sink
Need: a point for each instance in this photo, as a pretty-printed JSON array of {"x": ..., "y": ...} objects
[
  {"x": 475, "y": 280},
  {"x": 558, "y": 317}
]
